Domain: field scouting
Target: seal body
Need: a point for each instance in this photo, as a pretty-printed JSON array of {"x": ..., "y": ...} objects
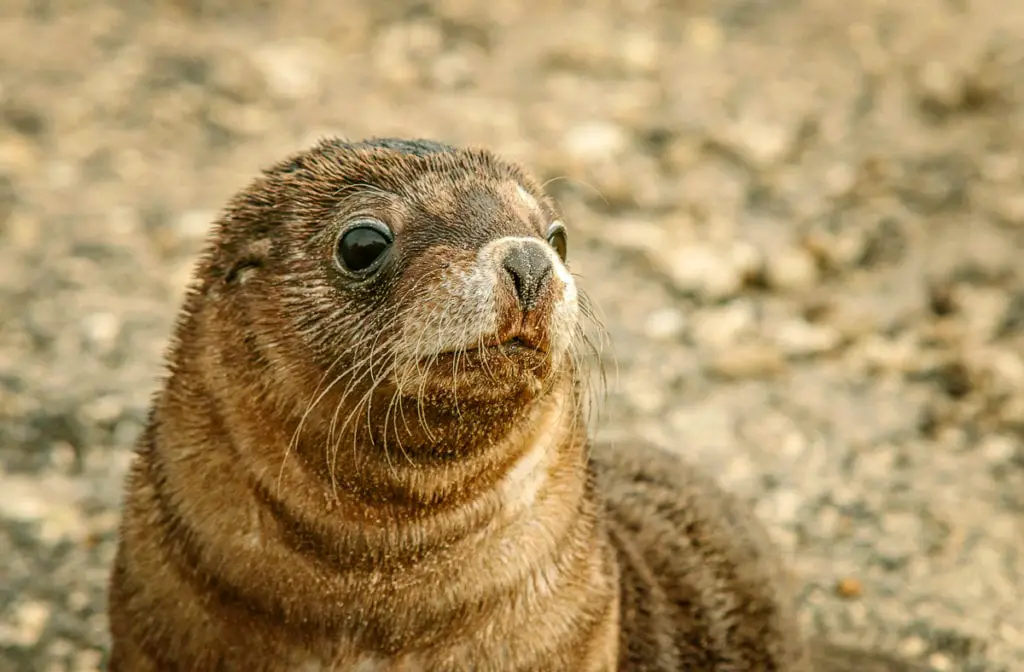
[{"x": 369, "y": 452}]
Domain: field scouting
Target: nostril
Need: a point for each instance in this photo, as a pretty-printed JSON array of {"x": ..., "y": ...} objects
[
  {"x": 529, "y": 267},
  {"x": 517, "y": 276}
]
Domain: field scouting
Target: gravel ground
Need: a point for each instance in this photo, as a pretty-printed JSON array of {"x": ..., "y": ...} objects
[{"x": 803, "y": 221}]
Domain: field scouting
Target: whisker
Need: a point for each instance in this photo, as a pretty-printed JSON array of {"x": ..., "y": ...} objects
[{"x": 582, "y": 183}]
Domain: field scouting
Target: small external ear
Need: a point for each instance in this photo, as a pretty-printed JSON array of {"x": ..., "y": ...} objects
[{"x": 249, "y": 259}]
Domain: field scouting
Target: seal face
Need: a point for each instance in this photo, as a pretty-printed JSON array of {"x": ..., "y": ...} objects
[{"x": 405, "y": 275}]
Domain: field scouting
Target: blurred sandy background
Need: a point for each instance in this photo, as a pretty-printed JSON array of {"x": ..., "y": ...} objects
[{"x": 804, "y": 223}]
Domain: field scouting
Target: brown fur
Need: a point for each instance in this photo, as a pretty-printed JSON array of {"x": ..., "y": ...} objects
[{"x": 310, "y": 496}]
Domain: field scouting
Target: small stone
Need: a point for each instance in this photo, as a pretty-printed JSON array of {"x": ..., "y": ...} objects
[
  {"x": 594, "y": 141},
  {"x": 906, "y": 527},
  {"x": 238, "y": 78},
  {"x": 913, "y": 647},
  {"x": 63, "y": 456},
  {"x": 999, "y": 449},
  {"x": 880, "y": 353},
  {"x": 791, "y": 269},
  {"x": 840, "y": 179},
  {"x": 88, "y": 660},
  {"x": 18, "y": 153},
  {"x": 704, "y": 34},
  {"x": 240, "y": 119},
  {"x": 784, "y": 505},
  {"x": 703, "y": 270},
  {"x": 454, "y": 70},
  {"x": 194, "y": 225},
  {"x": 665, "y": 324},
  {"x": 642, "y": 396},
  {"x": 877, "y": 464},
  {"x": 744, "y": 258},
  {"x": 60, "y": 649},
  {"x": 940, "y": 662},
  {"x": 849, "y": 588},
  {"x": 837, "y": 250},
  {"x": 755, "y": 360},
  {"x": 22, "y": 501},
  {"x": 103, "y": 409},
  {"x": 723, "y": 326},
  {"x": 639, "y": 52},
  {"x": 983, "y": 310},
  {"x": 939, "y": 85},
  {"x": 635, "y": 235},
  {"x": 759, "y": 142},
  {"x": 799, "y": 338},
  {"x": 1010, "y": 208},
  {"x": 30, "y": 617},
  {"x": 62, "y": 174},
  {"x": 102, "y": 329},
  {"x": 78, "y": 600},
  {"x": 291, "y": 70}
]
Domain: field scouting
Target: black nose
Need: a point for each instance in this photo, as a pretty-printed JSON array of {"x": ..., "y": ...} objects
[{"x": 530, "y": 268}]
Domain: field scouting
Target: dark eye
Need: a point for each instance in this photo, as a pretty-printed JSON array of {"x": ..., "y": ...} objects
[
  {"x": 363, "y": 245},
  {"x": 557, "y": 239}
]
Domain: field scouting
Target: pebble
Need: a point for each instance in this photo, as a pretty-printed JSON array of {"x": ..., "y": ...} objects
[
  {"x": 665, "y": 324},
  {"x": 455, "y": 69},
  {"x": 194, "y": 225},
  {"x": 643, "y": 398},
  {"x": 999, "y": 449},
  {"x": 1011, "y": 208},
  {"x": 88, "y": 660},
  {"x": 290, "y": 69},
  {"x": 635, "y": 235},
  {"x": 983, "y": 310},
  {"x": 798, "y": 338},
  {"x": 940, "y": 662},
  {"x": 751, "y": 360},
  {"x": 102, "y": 329},
  {"x": 782, "y": 506},
  {"x": 759, "y": 142},
  {"x": 594, "y": 141},
  {"x": 913, "y": 647},
  {"x": 840, "y": 179},
  {"x": 22, "y": 499},
  {"x": 940, "y": 85},
  {"x": 710, "y": 272},
  {"x": 791, "y": 269},
  {"x": 704, "y": 33},
  {"x": 899, "y": 354},
  {"x": 639, "y": 52},
  {"x": 30, "y": 618},
  {"x": 720, "y": 327},
  {"x": 62, "y": 174}
]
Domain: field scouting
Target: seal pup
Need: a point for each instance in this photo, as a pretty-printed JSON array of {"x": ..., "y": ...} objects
[{"x": 369, "y": 452}]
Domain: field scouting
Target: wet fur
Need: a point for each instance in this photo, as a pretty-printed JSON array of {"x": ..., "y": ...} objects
[{"x": 320, "y": 488}]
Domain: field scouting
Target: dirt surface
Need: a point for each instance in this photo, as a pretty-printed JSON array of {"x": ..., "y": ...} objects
[{"x": 804, "y": 223}]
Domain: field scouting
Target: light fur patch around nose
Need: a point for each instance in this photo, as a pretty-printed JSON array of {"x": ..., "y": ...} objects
[
  {"x": 464, "y": 307},
  {"x": 491, "y": 253}
]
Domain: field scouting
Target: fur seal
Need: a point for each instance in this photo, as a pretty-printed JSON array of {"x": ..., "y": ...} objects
[{"x": 369, "y": 452}]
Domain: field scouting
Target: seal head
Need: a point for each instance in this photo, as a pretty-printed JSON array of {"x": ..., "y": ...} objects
[{"x": 419, "y": 291}]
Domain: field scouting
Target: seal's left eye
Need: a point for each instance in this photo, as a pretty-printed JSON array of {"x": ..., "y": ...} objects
[
  {"x": 362, "y": 246},
  {"x": 558, "y": 239}
]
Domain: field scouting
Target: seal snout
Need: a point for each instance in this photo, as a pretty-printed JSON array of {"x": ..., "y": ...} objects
[{"x": 530, "y": 269}]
